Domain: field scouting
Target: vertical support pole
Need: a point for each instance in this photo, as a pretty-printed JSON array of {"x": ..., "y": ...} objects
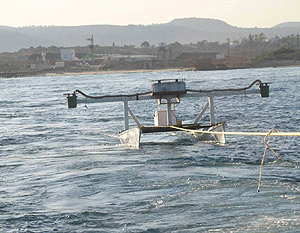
[
  {"x": 169, "y": 111},
  {"x": 211, "y": 109},
  {"x": 126, "y": 119}
]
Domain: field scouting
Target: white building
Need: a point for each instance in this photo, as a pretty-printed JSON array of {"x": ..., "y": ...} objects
[
  {"x": 220, "y": 56},
  {"x": 67, "y": 54}
]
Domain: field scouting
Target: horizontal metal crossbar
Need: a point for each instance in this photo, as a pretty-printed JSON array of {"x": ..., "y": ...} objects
[{"x": 188, "y": 95}]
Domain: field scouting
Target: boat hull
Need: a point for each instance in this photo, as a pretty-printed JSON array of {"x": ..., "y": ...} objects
[
  {"x": 131, "y": 138},
  {"x": 216, "y": 138}
]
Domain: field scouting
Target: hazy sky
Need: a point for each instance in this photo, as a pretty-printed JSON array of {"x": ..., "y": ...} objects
[{"x": 241, "y": 13}]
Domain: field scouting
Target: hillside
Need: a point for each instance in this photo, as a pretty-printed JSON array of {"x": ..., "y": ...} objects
[
  {"x": 202, "y": 24},
  {"x": 184, "y": 30},
  {"x": 288, "y": 25}
]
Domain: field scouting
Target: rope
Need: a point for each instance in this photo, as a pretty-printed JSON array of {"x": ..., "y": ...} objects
[
  {"x": 109, "y": 96},
  {"x": 273, "y": 133},
  {"x": 228, "y": 89},
  {"x": 267, "y": 138}
]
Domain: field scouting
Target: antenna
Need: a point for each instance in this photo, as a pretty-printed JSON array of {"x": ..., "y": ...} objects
[{"x": 92, "y": 46}]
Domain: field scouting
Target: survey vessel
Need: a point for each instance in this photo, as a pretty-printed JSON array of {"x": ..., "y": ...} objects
[{"x": 168, "y": 93}]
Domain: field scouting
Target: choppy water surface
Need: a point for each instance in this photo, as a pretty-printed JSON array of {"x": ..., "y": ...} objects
[{"x": 63, "y": 169}]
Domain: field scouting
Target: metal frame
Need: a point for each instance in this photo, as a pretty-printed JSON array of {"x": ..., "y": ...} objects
[
  {"x": 168, "y": 98},
  {"x": 170, "y": 93}
]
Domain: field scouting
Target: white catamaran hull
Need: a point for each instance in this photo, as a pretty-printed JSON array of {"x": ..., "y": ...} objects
[
  {"x": 218, "y": 138},
  {"x": 131, "y": 137}
]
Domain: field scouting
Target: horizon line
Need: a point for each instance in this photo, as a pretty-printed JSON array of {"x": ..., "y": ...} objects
[{"x": 133, "y": 24}]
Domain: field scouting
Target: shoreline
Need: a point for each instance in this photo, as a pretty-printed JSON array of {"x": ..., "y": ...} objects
[
  {"x": 162, "y": 70},
  {"x": 117, "y": 71},
  {"x": 70, "y": 73}
]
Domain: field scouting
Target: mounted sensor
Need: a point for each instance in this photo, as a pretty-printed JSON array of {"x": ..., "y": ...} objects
[{"x": 168, "y": 88}]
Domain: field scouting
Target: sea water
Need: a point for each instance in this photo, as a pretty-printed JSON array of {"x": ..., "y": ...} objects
[{"x": 63, "y": 170}]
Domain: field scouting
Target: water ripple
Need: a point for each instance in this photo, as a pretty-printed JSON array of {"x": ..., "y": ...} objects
[{"x": 63, "y": 170}]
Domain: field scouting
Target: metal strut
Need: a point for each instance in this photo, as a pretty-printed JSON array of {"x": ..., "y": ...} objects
[
  {"x": 211, "y": 109},
  {"x": 126, "y": 120}
]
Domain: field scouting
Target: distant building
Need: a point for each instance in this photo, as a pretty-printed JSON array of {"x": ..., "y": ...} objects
[
  {"x": 129, "y": 58},
  {"x": 33, "y": 66},
  {"x": 67, "y": 54},
  {"x": 164, "y": 52},
  {"x": 59, "y": 64},
  {"x": 234, "y": 43},
  {"x": 220, "y": 56},
  {"x": 186, "y": 56},
  {"x": 49, "y": 58}
]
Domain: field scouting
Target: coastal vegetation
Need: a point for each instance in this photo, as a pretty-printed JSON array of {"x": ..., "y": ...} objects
[
  {"x": 161, "y": 43},
  {"x": 283, "y": 54}
]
